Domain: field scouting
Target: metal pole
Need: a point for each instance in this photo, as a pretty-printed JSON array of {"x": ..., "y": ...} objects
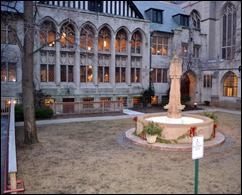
[
  {"x": 196, "y": 176},
  {"x": 151, "y": 40}
]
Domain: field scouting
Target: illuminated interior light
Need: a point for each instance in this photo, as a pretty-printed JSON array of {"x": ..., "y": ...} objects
[{"x": 63, "y": 35}]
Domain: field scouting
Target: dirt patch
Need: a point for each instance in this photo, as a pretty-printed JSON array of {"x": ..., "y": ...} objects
[{"x": 92, "y": 158}]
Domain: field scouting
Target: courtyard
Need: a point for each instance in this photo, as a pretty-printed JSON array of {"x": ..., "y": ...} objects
[{"x": 92, "y": 157}]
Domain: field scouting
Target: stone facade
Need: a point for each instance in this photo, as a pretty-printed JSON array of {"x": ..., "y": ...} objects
[
  {"x": 211, "y": 14},
  {"x": 203, "y": 76}
]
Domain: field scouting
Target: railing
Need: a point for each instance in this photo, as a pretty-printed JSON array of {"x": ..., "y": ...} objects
[
  {"x": 86, "y": 107},
  {"x": 4, "y": 107},
  {"x": 10, "y": 162},
  {"x": 5, "y": 111}
]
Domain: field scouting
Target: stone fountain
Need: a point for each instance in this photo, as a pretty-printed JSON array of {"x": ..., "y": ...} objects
[{"x": 175, "y": 125}]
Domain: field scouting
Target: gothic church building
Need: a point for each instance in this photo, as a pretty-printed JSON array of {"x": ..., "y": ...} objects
[{"x": 114, "y": 50}]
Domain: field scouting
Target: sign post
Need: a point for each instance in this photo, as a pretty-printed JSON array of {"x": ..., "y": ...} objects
[{"x": 197, "y": 152}]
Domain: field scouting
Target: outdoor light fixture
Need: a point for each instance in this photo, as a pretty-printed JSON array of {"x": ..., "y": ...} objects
[{"x": 195, "y": 105}]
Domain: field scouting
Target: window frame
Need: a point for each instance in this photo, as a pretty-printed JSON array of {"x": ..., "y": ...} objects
[
  {"x": 231, "y": 86},
  {"x": 5, "y": 68},
  {"x": 228, "y": 31},
  {"x": 158, "y": 45}
]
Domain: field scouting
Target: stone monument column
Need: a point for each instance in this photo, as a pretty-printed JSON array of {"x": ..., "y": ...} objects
[{"x": 174, "y": 106}]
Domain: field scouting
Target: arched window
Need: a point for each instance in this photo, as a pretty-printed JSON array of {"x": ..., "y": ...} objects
[
  {"x": 86, "y": 38},
  {"x": 230, "y": 87},
  {"x": 228, "y": 31},
  {"x": 67, "y": 36},
  {"x": 104, "y": 57},
  {"x": 195, "y": 19},
  {"x": 121, "y": 42},
  {"x": 136, "y": 43},
  {"x": 104, "y": 39},
  {"x": 47, "y": 33}
]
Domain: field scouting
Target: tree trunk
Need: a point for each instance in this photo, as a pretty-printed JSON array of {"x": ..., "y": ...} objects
[{"x": 30, "y": 133}]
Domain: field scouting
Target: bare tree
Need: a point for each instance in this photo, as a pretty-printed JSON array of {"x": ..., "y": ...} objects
[
  {"x": 26, "y": 55},
  {"x": 30, "y": 132}
]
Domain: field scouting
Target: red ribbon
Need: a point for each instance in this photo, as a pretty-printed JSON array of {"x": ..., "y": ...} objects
[
  {"x": 135, "y": 119},
  {"x": 143, "y": 136},
  {"x": 192, "y": 131}
]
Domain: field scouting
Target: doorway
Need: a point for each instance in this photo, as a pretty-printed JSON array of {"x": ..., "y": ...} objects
[{"x": 68, "y": 108}]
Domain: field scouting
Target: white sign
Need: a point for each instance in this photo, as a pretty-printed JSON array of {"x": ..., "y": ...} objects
[{"x": 197, "y": 147}]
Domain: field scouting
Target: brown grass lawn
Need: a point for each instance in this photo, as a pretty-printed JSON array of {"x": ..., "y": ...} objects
[{"x": 93, "y": 158}]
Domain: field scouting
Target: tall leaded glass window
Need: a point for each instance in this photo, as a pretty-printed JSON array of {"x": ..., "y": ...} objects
[
  {"x": 121, "y": 42},
  {"x": 230, "y": 87},
  {"x": 86, "y": 38},
  {"x": 195, "y": 19},
  {"x": 47, "y": 34},
  {"x": 136, "y": 43},
  {"x": 104, "y": 38},
  {"x": 67, "y": 36},
  {"x": 228, "y": 31}
]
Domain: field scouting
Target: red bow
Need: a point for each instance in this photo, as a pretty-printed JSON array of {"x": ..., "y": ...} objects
[
  {"x": 135, "y": 119},
  {"x": 143, "y": 136},
  {"x": 192, "y": 131}
]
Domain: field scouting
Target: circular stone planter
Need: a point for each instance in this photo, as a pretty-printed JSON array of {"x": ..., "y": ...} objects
[{"x": 174, "y": 128}]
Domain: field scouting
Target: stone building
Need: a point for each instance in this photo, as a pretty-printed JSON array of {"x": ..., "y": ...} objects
[
  {"x": 220, "y": 76},
  {"x": 113, "y": 50}
]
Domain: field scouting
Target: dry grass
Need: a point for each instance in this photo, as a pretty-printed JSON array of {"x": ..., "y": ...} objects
[{"x": 90, "y": 158}]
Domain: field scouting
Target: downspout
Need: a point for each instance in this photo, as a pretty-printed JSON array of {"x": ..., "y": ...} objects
[{"x": 151, "y": 40}]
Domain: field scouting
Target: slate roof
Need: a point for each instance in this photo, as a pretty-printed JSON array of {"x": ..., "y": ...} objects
[{"x": 169, "y": 11}]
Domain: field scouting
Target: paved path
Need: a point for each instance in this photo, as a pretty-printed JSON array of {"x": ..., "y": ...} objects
[{"x": 130, "y": 114}]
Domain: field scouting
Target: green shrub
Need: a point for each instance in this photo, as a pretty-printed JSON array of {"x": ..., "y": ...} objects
[
  {"x": 43, "y": 113},
  {"x": 40, "y": 113},
  {"x": 185, "y": 99},
  {"x": 211, "y": 115},
  {"x": 152, "y": 128},
  {"x": 19, "y": 115},
  {"x": 146, "y": 95}
]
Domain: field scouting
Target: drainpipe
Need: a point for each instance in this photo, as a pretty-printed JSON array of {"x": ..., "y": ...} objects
[{"x": 151, "y": 40}]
